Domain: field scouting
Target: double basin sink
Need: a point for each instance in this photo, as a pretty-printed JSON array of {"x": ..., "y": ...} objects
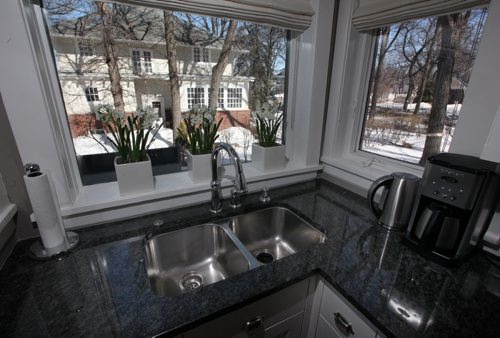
[{"x": 186, "y": 259}]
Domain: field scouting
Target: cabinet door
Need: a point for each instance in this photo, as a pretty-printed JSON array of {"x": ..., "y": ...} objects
[
  {"x": 324, "y": 330},
  {"x": 289, "y": 328},
  {"x": 344, "y": 319}
]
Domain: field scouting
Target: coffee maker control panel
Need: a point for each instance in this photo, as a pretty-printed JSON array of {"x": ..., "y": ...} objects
[{"x": 453, "y": 187}]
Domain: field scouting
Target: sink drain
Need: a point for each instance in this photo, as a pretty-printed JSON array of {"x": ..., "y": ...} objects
[
  {"x": 265, "y": 257},
  {"x": 191, "y": 281}
]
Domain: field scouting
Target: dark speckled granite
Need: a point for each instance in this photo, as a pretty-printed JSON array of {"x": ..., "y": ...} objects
[{"x": 101, "y": 290}]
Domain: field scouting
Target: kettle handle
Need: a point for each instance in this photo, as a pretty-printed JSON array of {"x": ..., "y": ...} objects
[{"x": 382, "y": 181}]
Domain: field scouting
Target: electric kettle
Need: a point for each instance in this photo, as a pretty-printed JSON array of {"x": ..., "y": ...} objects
[{"x": 396, "y": 201}]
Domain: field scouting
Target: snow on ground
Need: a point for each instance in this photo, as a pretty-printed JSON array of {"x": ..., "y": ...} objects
[
  {"x": 86, "y": 145},
  {"x": 424, "y": 106},
  {"x": 406, "y": 154},
  {"x": 240, "y": 138}
]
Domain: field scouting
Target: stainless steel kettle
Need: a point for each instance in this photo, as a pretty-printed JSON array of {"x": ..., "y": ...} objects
[{"x": 396, "y": 201}]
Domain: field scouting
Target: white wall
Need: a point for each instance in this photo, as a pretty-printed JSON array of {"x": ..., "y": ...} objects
[
  {"x": 22, "y": 94},
  {"x": 482, "y": 97}
]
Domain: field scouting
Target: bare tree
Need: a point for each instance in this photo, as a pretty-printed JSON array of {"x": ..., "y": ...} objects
[
  {"x": 452, "y": 27},
  {"x": 111, "y": 55},
  {"x": 266, "y": 52},
  {"x": 426, "y": 71},
  {"x": 173, "y": 74},
  {"x": 415, "y": 41},
  {"x": 218, "y": 68},
  {"x": 385, "y": 45}
]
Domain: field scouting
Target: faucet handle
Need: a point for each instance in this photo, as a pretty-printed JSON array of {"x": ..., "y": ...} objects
[
  {"x": 265, "y": 197},
  {"x": 235, "y": 199}
]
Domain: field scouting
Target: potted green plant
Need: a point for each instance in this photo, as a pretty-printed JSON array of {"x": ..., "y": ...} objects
[
  {"x": 198, "y": 133},
  {"x": 267, "y": 154},
  {"x": 131, "y": 136}
]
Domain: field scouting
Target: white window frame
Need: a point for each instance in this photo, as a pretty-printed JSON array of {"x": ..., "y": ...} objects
[
  {"x": 199, "y": 53},
  {"x": 142, "y": 61},
  {"x": 92, "y": 94},
  {"x": 234, "y": 102},
  {"x": 344, "y": 163},
  {"x": 221, "y": 99},
  {"x": 52, "y": 148},
  {"x": 82, "y": 51},
  {"x": 195, "y": 91},
  {"x": 146, "y": 69}
]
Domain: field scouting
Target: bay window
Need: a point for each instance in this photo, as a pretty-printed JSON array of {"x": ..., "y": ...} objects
[{"x": 52, "y": 90}]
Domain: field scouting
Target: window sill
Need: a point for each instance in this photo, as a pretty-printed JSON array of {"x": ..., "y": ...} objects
[
  {"x": 102, "y": 203},
  {"x": 357, "y": 170}
]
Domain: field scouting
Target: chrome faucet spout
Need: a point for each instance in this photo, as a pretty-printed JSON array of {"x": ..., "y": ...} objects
[{"x": 240, "y": 184}]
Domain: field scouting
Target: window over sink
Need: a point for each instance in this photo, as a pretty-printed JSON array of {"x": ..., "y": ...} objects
[{"x": 121, "y": 59}]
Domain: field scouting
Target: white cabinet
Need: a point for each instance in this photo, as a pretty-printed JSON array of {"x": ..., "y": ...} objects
[
  {"x": 338, "y": 319},
  {"x": 310, "y": 308},
  {"x": 279, "y": 315}
]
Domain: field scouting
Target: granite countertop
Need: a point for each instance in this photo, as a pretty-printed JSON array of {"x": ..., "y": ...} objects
[{"x": 100, "y": 289}]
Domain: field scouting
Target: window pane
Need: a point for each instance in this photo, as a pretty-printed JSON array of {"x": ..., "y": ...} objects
[
  {"x": 234, "y": 98},
  {"x": 420, "y": 76},
  {"x": 220, "y": 101},
  {"x": 147, "y": 63},
  {"x": 136, "y": 61},
  {"x": 196, "y": 54},
  {"x": 195, "y": 96},
  {"x": 125, "y": 64}
]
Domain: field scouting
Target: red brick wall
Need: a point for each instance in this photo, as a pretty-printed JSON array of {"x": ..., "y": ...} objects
[
  {"x": 81, "y": 124},
  {"x": 240, "y": 118}
]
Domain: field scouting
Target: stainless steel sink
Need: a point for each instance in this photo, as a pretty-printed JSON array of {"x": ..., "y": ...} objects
[
  {"x": 274, "y": 233},
  {"x": 187, "y": 259}
]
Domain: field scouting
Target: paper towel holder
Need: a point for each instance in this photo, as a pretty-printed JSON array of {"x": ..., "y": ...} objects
[{"x": 71, "y": 239}]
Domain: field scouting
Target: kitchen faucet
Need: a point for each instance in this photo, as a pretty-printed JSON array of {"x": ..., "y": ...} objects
[{"x": 240, "y": 184}]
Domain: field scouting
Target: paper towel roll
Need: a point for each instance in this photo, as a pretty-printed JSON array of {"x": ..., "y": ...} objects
[{"x": 45, "y": 209}]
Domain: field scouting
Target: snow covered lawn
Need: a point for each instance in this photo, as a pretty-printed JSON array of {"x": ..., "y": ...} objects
[{"x": 240, "y": 138}]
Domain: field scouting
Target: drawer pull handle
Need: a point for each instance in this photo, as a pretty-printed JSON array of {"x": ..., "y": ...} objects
[
  {"x": 254, "y": 323},
  {"x": 343, "y": 324}
]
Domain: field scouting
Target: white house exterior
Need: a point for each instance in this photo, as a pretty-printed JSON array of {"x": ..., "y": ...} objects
[{"x": 143, "y": 64}]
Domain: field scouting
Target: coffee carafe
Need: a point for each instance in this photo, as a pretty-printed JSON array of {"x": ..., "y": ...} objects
[
  {"x": 458, "y": 194},
  {"x": 396, "y": 201}
]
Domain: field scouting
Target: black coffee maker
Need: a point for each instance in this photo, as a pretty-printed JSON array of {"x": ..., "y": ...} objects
[{"x": 457, "y": 195}]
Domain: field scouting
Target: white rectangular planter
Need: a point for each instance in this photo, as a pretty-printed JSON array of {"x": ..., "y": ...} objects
[
  {"x": 268, "y": 158},
  {"x": 134, "y": 178},
  {"x": 200, "y": 167}
]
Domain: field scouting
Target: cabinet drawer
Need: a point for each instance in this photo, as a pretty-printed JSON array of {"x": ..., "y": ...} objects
[
  {"x": 272, "y": 310},
  {"x": 342, "y": 318}
]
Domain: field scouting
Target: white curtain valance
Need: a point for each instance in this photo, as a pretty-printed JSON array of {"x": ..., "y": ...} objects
[
  {"x": 290, "y": 14},
  {"x": 371, "y": 14}
]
